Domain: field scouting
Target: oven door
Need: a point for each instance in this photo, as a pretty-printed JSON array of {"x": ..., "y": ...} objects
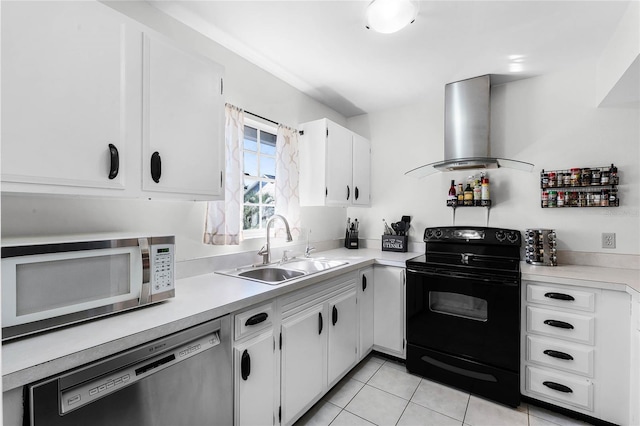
[{"x": 466, "y": 315}]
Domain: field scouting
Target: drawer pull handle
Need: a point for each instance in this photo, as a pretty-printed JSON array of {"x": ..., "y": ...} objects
[
  {"x": 558, "y": 354},
  {"x": 559, "y": 324},
  {"x": 320, "y": 325},
  {"x": 558, "y": 387},
  {"x": 245, "y": 365},
  {"x": 257, "y": 319},
  {"x": 334, "y": 315},
  {"x": 115, "y": 161},
  {"x": 559, "y": 296}
]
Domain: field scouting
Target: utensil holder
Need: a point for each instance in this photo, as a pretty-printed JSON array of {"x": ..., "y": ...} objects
[
  {"x": 397, "y": 243},
  {"x": 351, "y": 240}
]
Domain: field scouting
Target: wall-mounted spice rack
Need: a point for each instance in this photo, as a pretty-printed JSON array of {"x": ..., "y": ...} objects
[
  {"x": 476, "y": 203},
  {"x": 580, "y": 187}
]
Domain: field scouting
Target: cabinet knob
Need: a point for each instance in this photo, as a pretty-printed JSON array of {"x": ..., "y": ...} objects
[
  {"x": 559, "y": 324},
  {"x": 559, "y": 296},
  {"x": 558, "y": 387},
  {"x": 156, "y": 167},
  {"x": 245, "y": 365},
  {"x": 114, "y": 156},
  {"x": 558, "y": 354},
  {"x": 257, "y": 319}
]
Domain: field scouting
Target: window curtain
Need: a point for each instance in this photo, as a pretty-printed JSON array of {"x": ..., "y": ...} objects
[
  {"x": 287, "y": 179},
  {"x": 223, "y": 225}
]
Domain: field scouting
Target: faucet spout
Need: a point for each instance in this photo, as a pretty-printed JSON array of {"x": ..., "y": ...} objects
[{"x": 265, "y": 251}]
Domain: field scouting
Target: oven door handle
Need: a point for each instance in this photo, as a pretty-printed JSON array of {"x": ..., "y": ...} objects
[{"x": 445, "y": 274}]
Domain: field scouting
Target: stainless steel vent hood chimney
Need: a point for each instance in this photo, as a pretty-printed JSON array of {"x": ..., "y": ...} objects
[{"x": 467, "y": 119}]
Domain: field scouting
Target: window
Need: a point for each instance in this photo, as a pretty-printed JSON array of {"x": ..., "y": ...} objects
[{"x": 259, "y": 168}]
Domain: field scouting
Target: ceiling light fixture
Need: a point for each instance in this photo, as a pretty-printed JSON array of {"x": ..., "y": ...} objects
[{"x": 389, "y": 16}]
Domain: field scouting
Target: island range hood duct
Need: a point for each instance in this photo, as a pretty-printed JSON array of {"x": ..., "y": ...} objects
[{"x": 467, "y": 119}]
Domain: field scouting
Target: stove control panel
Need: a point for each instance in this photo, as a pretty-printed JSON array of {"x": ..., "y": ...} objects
[{"x": 473, "y": 235}]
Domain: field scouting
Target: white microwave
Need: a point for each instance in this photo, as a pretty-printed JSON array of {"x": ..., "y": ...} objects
[{"x": 55, "y": 282}]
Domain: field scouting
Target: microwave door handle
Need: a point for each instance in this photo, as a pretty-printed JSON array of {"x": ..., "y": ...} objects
[{"x": 145, "y": 291}]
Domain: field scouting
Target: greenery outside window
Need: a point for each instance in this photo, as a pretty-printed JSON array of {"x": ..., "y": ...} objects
[{"x": 259, "y": 169}]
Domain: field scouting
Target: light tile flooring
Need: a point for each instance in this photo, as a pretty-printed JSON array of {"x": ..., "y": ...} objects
[{"x": 381, "y": 392}]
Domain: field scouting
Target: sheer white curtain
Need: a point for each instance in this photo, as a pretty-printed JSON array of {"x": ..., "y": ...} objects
[
  {"x": 223, "y": 224},
  {"x": 287, "y": 178}
]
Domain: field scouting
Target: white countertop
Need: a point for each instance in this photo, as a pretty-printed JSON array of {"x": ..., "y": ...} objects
[
  {"x": 586, "y": 276},
  {"x": 198, "y": 299}
]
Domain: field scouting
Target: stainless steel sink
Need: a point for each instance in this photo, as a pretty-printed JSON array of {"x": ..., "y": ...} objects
[
  {"x": 282, "y": 272},
  {"x": 271, "y": 275}
]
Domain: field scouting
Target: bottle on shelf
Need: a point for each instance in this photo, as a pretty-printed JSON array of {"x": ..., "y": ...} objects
[
  {"x": 485, "y": 195},
  {"x": 460, "y": 195},
  {"x": 477, "y": 192},
  {"x": 468, "y": 193},
  {"x": 452, "y": 192}
]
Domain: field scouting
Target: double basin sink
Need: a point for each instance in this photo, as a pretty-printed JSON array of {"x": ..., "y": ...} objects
[{"x": 282, "y": 272}]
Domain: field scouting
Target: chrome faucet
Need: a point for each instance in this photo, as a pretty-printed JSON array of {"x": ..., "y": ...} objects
[
  {"x": 265, "y": 251},
  {"x": 308, "y": 249}
]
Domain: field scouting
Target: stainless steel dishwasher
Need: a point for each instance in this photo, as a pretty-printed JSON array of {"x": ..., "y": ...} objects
[{"x": 182, "y": 379}]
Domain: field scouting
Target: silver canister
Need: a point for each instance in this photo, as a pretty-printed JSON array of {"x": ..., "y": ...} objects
[{"x": 540, "y": 248}]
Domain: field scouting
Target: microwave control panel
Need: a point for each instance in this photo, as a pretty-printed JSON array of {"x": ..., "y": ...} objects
[{"x": 162, "y": 270}]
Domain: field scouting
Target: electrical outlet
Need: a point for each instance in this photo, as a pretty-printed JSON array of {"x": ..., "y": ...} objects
[{"x": 608, "y": 240}]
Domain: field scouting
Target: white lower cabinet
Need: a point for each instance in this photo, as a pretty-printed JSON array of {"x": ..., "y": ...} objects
[
  {"x": 388, "y": 308},
  {"x": 319, "y": 342},
  {"x": 255, "y": 364},
  {"x": 303, "y": 360},
  {"x": 365, "y": 287},
  {"x": 255, "y": 378},
  {"x": 576, "y": 349},
  {"x": 342, "y": 348}
]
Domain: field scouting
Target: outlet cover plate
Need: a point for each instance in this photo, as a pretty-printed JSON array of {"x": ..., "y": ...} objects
[{"x": 608, "y": 240}]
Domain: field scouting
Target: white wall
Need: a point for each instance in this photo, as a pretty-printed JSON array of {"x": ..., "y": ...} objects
[
  {"x": 551, "y": 121},
  {"x": 246, "y": 86}
]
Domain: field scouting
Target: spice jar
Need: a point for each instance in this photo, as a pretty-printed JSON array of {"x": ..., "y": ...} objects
[
  {"x": 613, "y": 197},
  {"x": 575, "y": 177},
  {"x": 545, "y": 199},
  {"x": 582, "y": 200},
  {"x": 552, "y": 179},
  {"x": 586, "y": 177},
  {"x": 604, "y": 177},
  {"x": 544, "y": 180},
  {"x": 566, "y": 179},
  {"x": 613, "y": 175},
  {"x": 553, "y": 198},
  {"x": 604, "y": 197},
  {"x": 595, "y": 176}
]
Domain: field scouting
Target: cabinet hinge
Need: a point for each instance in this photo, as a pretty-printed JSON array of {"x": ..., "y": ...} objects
[
  {"x": 222, "y": 86},
  {"x": 327, "y": 132},
  {"x": 221, "y": 180},
  {"x": 326, "y": 191}
]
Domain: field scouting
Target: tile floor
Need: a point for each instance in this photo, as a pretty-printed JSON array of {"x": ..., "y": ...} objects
[{"x": 381, "y": 392}]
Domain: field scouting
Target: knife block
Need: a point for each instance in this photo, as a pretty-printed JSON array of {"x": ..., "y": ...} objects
[{"x": 351, "y": 239}]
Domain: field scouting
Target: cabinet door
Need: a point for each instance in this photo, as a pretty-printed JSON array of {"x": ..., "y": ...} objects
[
  {"x": 303, "y": 365},
  {"x": 255, "y": 378},
  {"x": 71, "y": 78},
  {"x": 343, "y": 340},
  {"x": 182, "y": 121},
  {"x": 361, "y": 171},
  {"x": 365, "y": 310},
  {"x": 339, "y": 162},
  {"x": 388, "y": 300}
]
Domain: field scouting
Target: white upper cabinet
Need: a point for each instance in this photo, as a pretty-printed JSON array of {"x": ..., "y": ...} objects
[
  {"x": 183, "y": 121},
  {"x": 88, "y": 95},
  {"x": 70, "y": 76},
  {"x": 335, "y": 165}
]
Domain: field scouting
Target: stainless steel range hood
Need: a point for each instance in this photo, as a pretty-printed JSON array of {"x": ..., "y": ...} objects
[{"x": 467, "y": 129}]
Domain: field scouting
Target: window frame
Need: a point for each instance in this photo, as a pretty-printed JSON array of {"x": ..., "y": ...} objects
[{"x": 261, "y": 127}]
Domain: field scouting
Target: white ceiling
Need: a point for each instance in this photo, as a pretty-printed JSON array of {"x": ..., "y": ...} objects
[{"x": 323, "y": 48}]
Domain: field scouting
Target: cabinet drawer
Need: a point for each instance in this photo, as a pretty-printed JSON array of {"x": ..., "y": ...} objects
[
  {"x": 565, "y": 325},
  {"x": 561, "y": 297},
  {"x": 562, "y": 387},
  {"x": 559, "y": 354},
  {"x": 254, "y": 320}
]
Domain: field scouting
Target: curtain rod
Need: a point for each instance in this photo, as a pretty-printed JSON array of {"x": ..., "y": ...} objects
[{"x": 259, "y": 116}]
